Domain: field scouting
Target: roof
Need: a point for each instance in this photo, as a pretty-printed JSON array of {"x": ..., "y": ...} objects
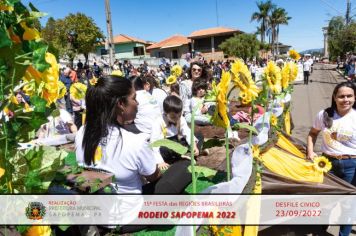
[
  {"x": 212, "y": 31},
  {"x": 122, "y": 38},
  {"x": 173, "y": 41}
]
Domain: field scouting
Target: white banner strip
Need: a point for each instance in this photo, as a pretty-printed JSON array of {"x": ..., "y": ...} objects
[{"x": 178, "y": 209}]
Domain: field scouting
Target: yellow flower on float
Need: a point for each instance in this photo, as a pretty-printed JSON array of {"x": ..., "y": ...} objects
[
  {"x": 78, "y": 90},
  {"x": 171, "y": 80},
  {"x": 274, "y": 120},
  {"x": 98, "y": 154},
  {"x": 3, "y": 7},
  {"x": 38, "y": 230},
  {"x": 272, "y": 74},
  {"x": 13, "y": 99},
  {"x": 14, "y": 38},
  {"x": 2, "y": 172},
  {"x": 93, "y": 81},
  {"x": 322, "y": 164},
  {"x": 220, "y": 117},
  {"x": 30, "y": 88},
  {"x": 176, "y": 71},
  {"x": 243, "y": 79},
  {"x": 27, "y": 108},
  {"x": 255, "y": 151},
  {"x": 62, "y": 89},
  {"x": 289, "y": 73},
  {"x": 52, "y": 73},
  {"x": 294, "y": 54},
  {"x": 30, "y": 33}
]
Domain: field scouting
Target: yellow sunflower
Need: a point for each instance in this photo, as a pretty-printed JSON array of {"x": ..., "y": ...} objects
[
  {"x": 38, "y": 230},
  {"x": 322, "y": 164},
  {"x": 27, "y": 108},
  {"x": 13, "y": 99},
  {"x": 62, "y": 89},
  {"x": 287, "y": 125},
  {"x": 30, "y": 33},
  {"x": 274, "y": 120},
  {"x": 93, "y": 81},
  {"x": 294, "y": 54},
  {"x": 255, "y": 151},
  {"x": 3, "y": 7},
  {"x": 176, "y": 71},
  {"x": 272, "y": 74},
  {"x": 98, "y": 154},
  {"x": 243, "y": 79},
  {"x": 171, "y": 80},
  {"x": 30, "y": 88},
  {"x": 78, "y": 90},
  {"x": 220, "y": 117},
  {"x": 289, "y": 73},
  {"x": 2, "y": 172}
]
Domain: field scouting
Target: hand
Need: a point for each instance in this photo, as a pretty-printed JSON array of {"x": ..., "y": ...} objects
[
  {"x": 204, "y": 109},
  {"x": 163, "y": 166},
  {"x": 196, "y": 150},
  {"x": 311, "y": 155}
]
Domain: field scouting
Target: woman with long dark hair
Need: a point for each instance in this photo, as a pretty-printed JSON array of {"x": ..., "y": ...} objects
[{"x": 338, "y": 128}]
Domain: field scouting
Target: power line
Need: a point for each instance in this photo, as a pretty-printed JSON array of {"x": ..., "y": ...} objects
[{"x": 332, "y": 7}]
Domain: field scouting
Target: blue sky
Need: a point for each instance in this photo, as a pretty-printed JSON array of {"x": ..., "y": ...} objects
[{"x": 158, "y": 19}]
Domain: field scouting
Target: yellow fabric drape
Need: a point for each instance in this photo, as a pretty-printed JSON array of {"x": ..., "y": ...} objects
[
  {"x": 254, "y": 206},
  {"x": 285, "y": 164},
  {"x": 287, "y": 123},
  {"x": 285, "y": 144}
]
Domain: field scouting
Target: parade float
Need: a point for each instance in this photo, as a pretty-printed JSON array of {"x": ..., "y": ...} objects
[{"x": 266, "y": 161}]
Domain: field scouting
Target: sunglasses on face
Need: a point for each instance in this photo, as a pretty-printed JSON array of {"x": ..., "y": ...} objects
[{"x": 194, "y": 69}]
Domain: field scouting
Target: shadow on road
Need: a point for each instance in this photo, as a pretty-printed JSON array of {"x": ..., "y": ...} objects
[{"x": 323, "y": 82}]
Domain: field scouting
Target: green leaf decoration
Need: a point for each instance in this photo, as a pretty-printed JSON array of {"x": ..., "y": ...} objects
[
  {"x": 22, "y": 228},
  {"x": 5, "y": 40},
  {"x": 205, "y": 171},
  {"x": 32, "y": 7},
  {"x": 39, "y": 55},
  {"x": 80, "y": 180},
  {"x": 55, "y": 113},
  {"x": 70, "y": 160},
  {"x": 38, "y": 103},
  {"x": 107, "y": 189},
  {"x": 63, "y": 227},
  {"x": 177, "y": 147},
  {"x": 245, "y": 126}
]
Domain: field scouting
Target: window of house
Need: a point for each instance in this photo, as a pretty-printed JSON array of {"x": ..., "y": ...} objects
[
  {"x": 103, "y": 51},
  {"x": 139, "y": 51},
  {"x": 161, "y": 54},
  {"x": 174, "y": 54}
]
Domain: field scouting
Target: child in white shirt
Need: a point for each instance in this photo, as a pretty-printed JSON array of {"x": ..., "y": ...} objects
[{"x": 171, "y": 125}]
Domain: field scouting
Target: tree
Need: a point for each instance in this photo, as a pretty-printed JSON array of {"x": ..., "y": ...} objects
[
  {"x": 278, "y": 17},
  {"x": 85, "y": 32},
  {"x": 336, "y": 25},
  {"x": 244, "y": 46},
  {"x": 263, "y": 16},
  {"x": 49, "y": 33}
]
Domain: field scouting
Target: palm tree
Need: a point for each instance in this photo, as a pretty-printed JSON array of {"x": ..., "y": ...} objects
[
  {"x": 263, "y": 16},
  {"x": 278, "y": 17}
]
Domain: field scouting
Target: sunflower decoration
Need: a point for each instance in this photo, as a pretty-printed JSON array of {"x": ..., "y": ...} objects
[
  {"x": 176, "y": 71},
  {"x": 36, "y": 230},
  {"x": 294, "y": 54},
  {"x": 272, "y": 74},
  {"x": 255, "y": 151},
  {"x": 30, "y": 33},
  {"x": 171, "y": 80},
  {"x": 289, "y": 73},
  {"x": 274, "y": 120},
  {"x": 62, "y": 90},
  {"x": 220, "y": 117},
  {"x": 93, "y": 81},
  {"x": 2, "y": 172},
  {"x": 98, "y": 154},
  {"x": 322, "y": 164},
  {"x": 117, "y": 73},
  {"x": 243, "y": 79},
  {"x": 78, "y": 90}
]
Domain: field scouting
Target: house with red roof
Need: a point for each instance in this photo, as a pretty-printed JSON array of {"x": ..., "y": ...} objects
[
  {"x": 207, "y": 41},
  {"x": 172, "y": 47},
  {"x": 126, "y": 47}
]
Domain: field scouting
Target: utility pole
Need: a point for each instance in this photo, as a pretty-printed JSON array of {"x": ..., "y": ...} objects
[
  {"x": 110, "y": 38},
  {"x": 217, "y": 13}
]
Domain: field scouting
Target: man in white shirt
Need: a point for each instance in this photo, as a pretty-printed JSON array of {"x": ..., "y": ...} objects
[{"x": 306, "y": 69}]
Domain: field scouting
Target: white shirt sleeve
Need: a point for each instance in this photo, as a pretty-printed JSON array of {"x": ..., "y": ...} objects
[
  {"x": 146, "y": 164},
  {"x": 157, "y": 134},
  {"x": 318, "y": 122},
  {"x": 185, "y": 130},
  {"x": 65, "y": 116}
]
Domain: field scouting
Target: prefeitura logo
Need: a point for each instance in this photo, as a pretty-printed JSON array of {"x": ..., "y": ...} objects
[{"x": 35, "y": 211}]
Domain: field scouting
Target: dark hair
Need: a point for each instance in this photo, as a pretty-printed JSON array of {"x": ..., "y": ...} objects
[
  {"x": 175, "y": 88},
  {"x": 204, "y": 73},
  {"x": 101, "y": 104},
  {"x": 199, "y": 83},
  {"x": 172, "y": 104},
  {"x": 329, "y": 112},
  {"x": 140, "y": 81}
]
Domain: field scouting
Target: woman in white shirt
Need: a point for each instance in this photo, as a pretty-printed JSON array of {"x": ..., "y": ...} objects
[{"x": 338, "y": 128}]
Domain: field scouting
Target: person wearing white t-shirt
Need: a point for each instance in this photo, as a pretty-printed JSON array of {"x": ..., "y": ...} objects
[
  {"x": 338, "y": 128},
  {"x": 306, "y": 70},
  {"x": 171, "y": 125}
]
